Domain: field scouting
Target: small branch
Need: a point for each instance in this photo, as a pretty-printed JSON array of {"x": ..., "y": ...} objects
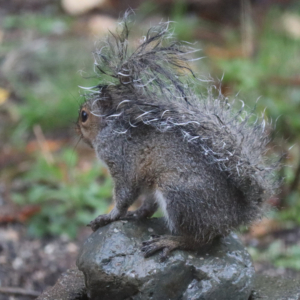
[
  {"x": 285, "y": 81},
  {"x": 37, "y": 130},
  {"x": 247, "y": 28},
  {"x": 19, "y": 291}
]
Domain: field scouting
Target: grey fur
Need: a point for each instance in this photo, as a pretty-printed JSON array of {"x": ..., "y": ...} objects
[{"x": 201, "y": 160}]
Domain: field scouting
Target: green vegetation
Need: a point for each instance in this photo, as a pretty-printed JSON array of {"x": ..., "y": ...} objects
[
  {"x": 269, "y": 75},
  {"x": 278, "y": 254},
  {"x": 45, "y": 85},
  {"x": 43, "y": 24},
  {"x": 69, "y": 197}
]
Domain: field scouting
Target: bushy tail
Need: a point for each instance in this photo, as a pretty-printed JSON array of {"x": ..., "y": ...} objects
[
  {"x": 237, "y": 142},
  {"x": 152, "y": 86},
  {"x": 157, "y": 67}
]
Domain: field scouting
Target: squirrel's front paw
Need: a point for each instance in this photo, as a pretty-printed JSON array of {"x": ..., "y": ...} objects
[{"x": 100, "y": 221}]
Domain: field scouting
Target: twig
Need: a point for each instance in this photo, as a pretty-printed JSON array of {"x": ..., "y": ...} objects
[
  {"x": 286, "y": 81},
  {"x": 43, "y": 144},
  {"x": 19, "y": 291},
  {"x": 247, "y": 28}
]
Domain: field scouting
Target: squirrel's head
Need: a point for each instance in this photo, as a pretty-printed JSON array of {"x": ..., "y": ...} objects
[
  {"x": 91, "y": 117},
  {"x": 88, "y": 124}
]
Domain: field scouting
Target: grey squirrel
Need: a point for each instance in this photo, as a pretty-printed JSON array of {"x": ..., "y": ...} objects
[{"x": 196, "y": 157}]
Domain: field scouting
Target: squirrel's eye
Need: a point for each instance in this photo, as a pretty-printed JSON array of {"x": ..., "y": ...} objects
[{"x": 84, "y": 116}]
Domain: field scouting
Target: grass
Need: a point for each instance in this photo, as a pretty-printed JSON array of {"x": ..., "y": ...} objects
[
  {"x": 268, "y": 75},
  {"x": 278, "y": 254},
  {"x": 43, "y": 71},
  {"x": 43, "y": 24},
  {"x": 52, "y": 88},
  {"x": 69, "y": 197}
]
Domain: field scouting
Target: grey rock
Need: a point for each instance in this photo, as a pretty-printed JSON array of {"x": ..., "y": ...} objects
[
  {"x": 114, "y": 267},
  {"x": 69, "y": 286},
  {"x": 275, "y": 288}
]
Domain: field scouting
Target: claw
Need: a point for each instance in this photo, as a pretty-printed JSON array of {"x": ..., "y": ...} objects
[
  {"x": 167, "y": 244},
  {"x": 165, "y": 254},
  {"x": 149, "y": 250},
  {"x": 94, "y": 226},
  {"x": 159, "y": 243},
  {"x": 100, "y": 221}
]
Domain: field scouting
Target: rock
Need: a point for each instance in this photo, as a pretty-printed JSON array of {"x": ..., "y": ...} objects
[
  {"x": 75, "y": 7},
  {"x": 69, "y": 286},
  {"x": 114, "y": 267},
  {"x": 271, "y": 288}
]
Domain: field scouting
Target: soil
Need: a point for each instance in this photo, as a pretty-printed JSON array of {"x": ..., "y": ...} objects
[{"x": 33, "y": 264}]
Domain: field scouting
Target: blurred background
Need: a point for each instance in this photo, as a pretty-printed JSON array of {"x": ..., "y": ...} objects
[{"x": 51, "y": 186}]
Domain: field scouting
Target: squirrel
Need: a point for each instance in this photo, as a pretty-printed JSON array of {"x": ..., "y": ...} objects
[{"x": 203, "y": 163}]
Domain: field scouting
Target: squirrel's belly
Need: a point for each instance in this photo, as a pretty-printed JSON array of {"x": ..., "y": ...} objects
[{"x": 160, "y": 199}]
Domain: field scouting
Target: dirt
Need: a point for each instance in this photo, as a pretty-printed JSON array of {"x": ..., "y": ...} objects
[{"x": 34, "y": 264}]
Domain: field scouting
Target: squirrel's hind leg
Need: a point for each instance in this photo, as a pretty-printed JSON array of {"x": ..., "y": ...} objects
[
  {"x": 174, "y": 208},
  {"x": 168, "y": 243}
]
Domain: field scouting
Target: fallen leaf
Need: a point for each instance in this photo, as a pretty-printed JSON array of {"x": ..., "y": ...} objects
[
  {"x": 13, "y": 214},
  {"x": 264, "y": 227},
  {"x": 27, "y": 212},
  {"x": 223, "y": 53},
  {"x": 52, "y": 145},
  {"x": 4, "y": 94}
]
